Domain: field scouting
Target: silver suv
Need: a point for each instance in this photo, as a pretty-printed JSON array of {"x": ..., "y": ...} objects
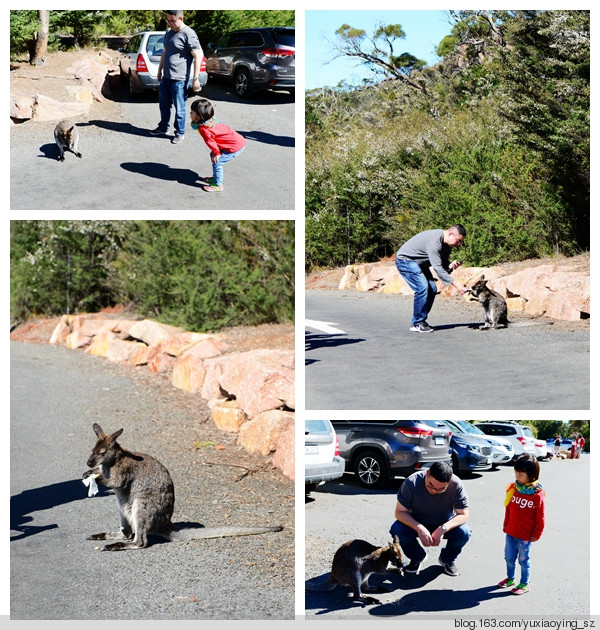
[
  {"x": 378, "y": 450},
  {"x": 518, "y": 435},
  {"x": 322, "y": 461},
  {"x": 255, "y": 58},
  {"x": 141, "y": 57}
]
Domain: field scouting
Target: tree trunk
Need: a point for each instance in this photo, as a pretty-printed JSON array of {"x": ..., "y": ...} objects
[{"x": 38, "y": 50}]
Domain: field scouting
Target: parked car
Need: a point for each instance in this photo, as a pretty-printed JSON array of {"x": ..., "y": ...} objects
[
  {"x": 378, "y": 450},
  {"x": 475, "y": 451},
  {"x": 502, "y": 450},
  {"x": 517, "y": 434},
  {"x": 541, "y": 450},
  {"x": 255, "y": 58},
  {"x": 322, "y": 461},
  {"x": 141, "y": 57},
  {"x": 470, "y": 453}
]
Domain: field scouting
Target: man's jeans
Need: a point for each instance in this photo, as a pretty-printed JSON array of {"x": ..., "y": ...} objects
[
  {"x": 514, "y": 549},
  {"x": 218, "y": 165},
  {"x": 172, "y": 93},
  {"x": 420, "y": 280},
  {"x": 456, "y": 539}
]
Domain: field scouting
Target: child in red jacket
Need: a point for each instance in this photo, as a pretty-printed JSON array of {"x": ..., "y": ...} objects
[
  {"x": 524, "y": 520},
  {"x": 223, "y": 142}
]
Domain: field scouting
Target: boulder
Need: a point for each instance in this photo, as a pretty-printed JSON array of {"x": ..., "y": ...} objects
[
  {"x": 284, "y": 457},
  {"x": 151, "y": 332},
  {"x": 261, "y": 434},
  {"x": 46, "y": 109},
  {"x": 189, "y": 371},
  {"x": 227, "y": 416},
  {"x": 179, "y": 342},
  {"x": 121, "y": 351},
  {"x": 21, "y": 106}
]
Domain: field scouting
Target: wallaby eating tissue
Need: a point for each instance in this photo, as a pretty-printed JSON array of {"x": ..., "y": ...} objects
[
  {"x": 354, "y": 562},
  {"x": 145, "y": 497}
]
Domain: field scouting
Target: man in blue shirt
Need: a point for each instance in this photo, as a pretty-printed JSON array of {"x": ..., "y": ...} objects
[{"x": 180, "y": 60}]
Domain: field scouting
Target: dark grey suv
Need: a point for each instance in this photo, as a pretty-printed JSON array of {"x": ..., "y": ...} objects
[
  {"x": 255, "y": 58},
  {"x": 377, "y": 450}
]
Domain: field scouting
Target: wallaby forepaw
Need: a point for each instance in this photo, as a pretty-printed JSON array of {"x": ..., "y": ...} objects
[
  {"x": 97, "y": 537},
  {"x": 78, "y": 155}
]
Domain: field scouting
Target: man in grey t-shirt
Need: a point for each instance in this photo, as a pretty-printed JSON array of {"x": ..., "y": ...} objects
[
  {"x": 414, "y": 259},
  {"x": 432, "y": 505},
  {"x": 180, "y": 60}
]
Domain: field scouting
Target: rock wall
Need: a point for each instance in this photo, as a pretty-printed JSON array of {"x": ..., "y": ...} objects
[
  {"x": 552, "y": 291},
  {"x": 249, "y": 393}
]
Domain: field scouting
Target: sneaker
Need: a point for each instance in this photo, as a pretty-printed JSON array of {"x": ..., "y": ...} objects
[
  {"x": 212, "y": 188},
  {"x": 449, "y": 568},
  {"x": 177, "y": 139},
  {"x": 157, "y": 132},
  {"x": 520, "y": 589},
  {"x": 421, "y": 327},
  {"x": 412, "y": 567},
  {"x": 506, "y": 582}
]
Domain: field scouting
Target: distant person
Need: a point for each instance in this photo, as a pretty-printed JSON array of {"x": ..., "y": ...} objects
[
  {"x": 557, "y": 443},
  {"x": 181, "y": 60},
  {"x": 432, "y": 505},
  {"x": 224, "y": 143},
  {"x": 414, "y": 259},
  {"x": 524, "y": 519},
  {"x": 579, "y": 444}
]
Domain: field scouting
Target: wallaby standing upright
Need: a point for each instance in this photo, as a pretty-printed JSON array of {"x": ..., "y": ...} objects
[
  {"x": 354, "y": 562},
  {"x": 493, "y": 304},
  {"x": 145, "y": 496},
  {"x": 66, "y": 136}
]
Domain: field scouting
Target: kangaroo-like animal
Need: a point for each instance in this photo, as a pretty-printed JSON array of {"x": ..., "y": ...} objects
[
  {"x": 145, "y": 496},
  {"x": 66, "y": 136},
  {"x": 493, "y": 305},
  {"x": 354, "y": 562}
]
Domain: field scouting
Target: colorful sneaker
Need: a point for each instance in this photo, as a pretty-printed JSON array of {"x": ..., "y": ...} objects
[
  {"x": 520, "y": 589},
  {"x": 506, "y": 582},
  {"x": 212, "y": 188}
]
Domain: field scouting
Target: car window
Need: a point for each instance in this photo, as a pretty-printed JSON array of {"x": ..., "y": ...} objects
[
  {"x": 285, "y": 37},
  {"x": 155, "y": 44},
  {"x": 133, "y": 44},
  {"x": 316, "y": 426},
  {"x": 527, "y": 432}
]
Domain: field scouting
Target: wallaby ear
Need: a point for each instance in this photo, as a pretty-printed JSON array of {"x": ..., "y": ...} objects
[
  {"x": 482, "y": 278},
  {"x": 116, "y": 434},
  {"x": 98, "y": 430}
]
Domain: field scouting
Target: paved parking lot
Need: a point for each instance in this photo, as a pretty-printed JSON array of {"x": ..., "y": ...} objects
[{"x": 560, "y": 569}]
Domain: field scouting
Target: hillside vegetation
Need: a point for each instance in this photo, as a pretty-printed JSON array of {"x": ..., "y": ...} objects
[{"x": 495, "y": 136}]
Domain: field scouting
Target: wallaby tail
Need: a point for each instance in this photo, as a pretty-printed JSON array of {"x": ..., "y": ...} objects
[
  {"x": 319, "y": 585},
  {"x": 218, "y": 532}
]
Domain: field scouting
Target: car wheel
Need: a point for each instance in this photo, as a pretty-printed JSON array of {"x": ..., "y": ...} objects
[
  {"x": 455, "y": 464},
  {"x": 370, "y": 468},
  {"x": 243, "y": 83},
  {"x": 132, "y": 89}
]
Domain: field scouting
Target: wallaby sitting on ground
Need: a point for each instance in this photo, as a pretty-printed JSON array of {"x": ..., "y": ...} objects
[
  {"x": 145, "y": 496},
  {"x": 66, "y": 136},
  {"x": 354, "y": 562},
  {"x": 493, "y": 304}
]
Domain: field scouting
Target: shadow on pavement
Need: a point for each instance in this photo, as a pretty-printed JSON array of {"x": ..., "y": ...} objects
[{"x": 164, "y": 171}]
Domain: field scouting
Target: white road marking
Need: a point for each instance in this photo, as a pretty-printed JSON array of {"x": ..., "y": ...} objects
[{"x": 326, "y": 327}]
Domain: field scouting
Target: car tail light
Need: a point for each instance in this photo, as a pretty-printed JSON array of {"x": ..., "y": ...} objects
[
  {"x": 140, "y": 64},
  {"x": 337, "y": 447},
  {"x": 415, "y": 431},
  {"x": 522, "y": 440},
  {"x": 278, "y": 52},
  {"x": 203, "y": 65}
]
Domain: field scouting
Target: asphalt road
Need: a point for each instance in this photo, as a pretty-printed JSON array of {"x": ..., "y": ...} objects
[
  {"x": 55, "y": 573},
  {"x": 366, "y": 358},
  {"x": 560, "y": 560},
  {"x": 124, "y": 168}
]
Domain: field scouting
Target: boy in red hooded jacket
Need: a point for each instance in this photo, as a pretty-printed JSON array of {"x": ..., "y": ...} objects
[
  {"x": 524, "y": 520},
  {"x": 224, "y": 143}
]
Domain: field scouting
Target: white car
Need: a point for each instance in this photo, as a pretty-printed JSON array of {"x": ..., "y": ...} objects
[
  {"x": 322, "y": 461},
  {"x": 517, "y": 434}
]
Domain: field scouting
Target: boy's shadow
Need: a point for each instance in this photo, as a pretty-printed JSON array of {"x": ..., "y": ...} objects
[{"x": 165, "y": 172}]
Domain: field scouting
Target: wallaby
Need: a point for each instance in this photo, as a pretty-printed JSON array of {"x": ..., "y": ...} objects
[
  {"x": 66, "y": 136},
  {"x": 354, "y": 562},
  {"x": 493, "y": 304},
  {"x": 145, "y": 496}
]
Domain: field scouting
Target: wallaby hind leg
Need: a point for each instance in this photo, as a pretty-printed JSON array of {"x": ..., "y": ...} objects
[{"x": 358, "y": 592}]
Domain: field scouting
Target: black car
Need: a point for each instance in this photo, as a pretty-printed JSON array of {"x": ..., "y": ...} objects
[
  {"x": 378, "y": 450},
  {"x": 255, "y": 58}
]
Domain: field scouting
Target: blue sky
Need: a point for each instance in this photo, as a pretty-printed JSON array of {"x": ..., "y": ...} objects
[{"x": 424, "y": 31}]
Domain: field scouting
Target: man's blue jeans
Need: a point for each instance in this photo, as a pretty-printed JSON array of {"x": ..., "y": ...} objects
[
  {"x": 456, "y": 539},
  {"x": 172, "y": 93},
  {"x": 218, "y": 165},
  {"x": 420, "y": 280},
  {"x": 517, "y": 549}
]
